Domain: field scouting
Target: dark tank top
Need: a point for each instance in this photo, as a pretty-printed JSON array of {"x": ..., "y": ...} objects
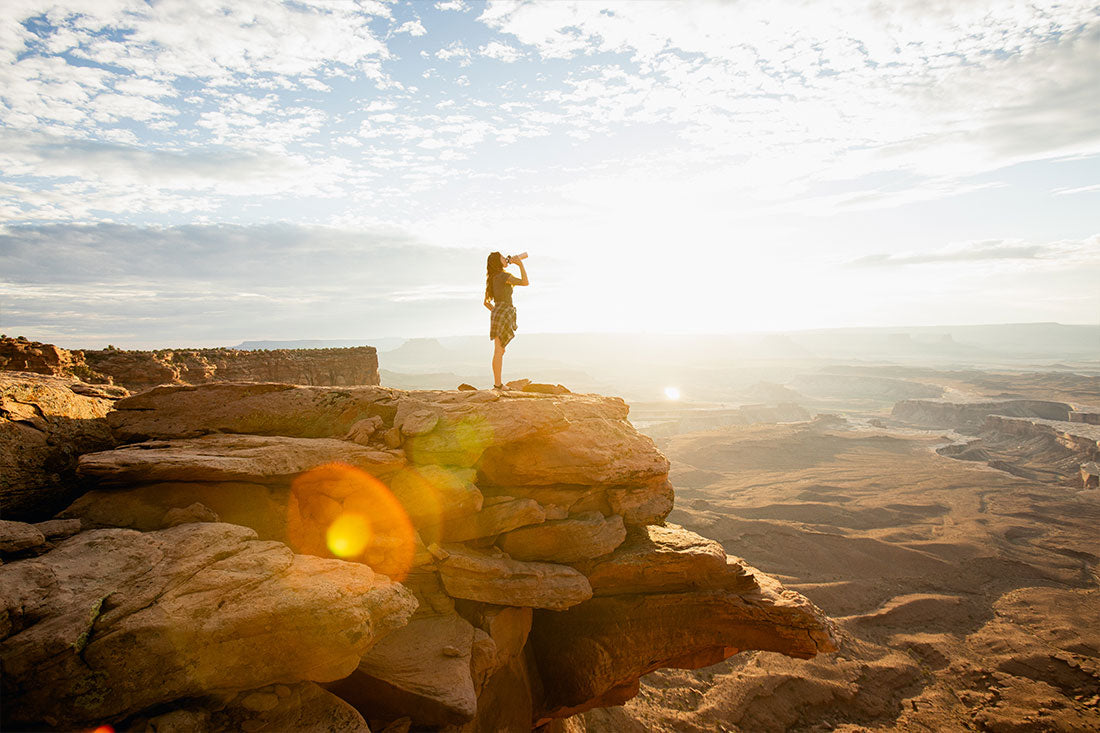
[{"x": 502, "y": 289}]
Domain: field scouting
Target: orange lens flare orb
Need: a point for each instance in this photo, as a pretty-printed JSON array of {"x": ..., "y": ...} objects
[
  {"x": 341, "y": 511},
  {"x": 103, "y": 729},
  {"x": 348, "y": 535}
]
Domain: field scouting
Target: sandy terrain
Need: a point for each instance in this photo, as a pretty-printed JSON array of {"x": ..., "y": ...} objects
[{"x": 967, "y": 598}]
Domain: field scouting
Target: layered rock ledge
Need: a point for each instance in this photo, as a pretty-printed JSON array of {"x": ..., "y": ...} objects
[{"x": 529, "y": 528}]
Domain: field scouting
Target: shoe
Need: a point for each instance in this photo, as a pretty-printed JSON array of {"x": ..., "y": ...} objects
[{"x": 498, "y": 386}]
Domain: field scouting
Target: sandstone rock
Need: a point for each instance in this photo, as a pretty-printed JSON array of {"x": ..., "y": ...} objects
[
  {"x": 412, "y": 421},
  {"x": 55, "y": 530},
  {"x": 364, "y": 430},
  {"x": 19, "y": 536},
  {"x": 664, "y": 560},
  {"x": 501, "y": 634},
  {"x": 260, "y": 409},
  {"x": 467, "y": 419},
  {"x": 303, "y": 708},
  {"x": 145, "y": 369},
  {"x": 21, "y": 355},
  {"x": 421, "y": 670},
  {"x": 505, "y": 702},
  {"x": 467, "y": 387},
  {"x": 646, "y": 503},
  {"x": 211, "y": 458},
  {"x": 498, "y": 514},
  {"x": 593, "y": 654},
  {"x": 431, "y": 494},
  {"x": 474, "y": 421},
  {"x": 537, "y": 388},
  {"x": 565, "y": 540},
  {"x": 558, "y": 501},
  {"x": 198, "y": 608},
  {"x": 196, "y": 512},
  {"x": 147, "y": 507},
  {"x": 589, "y": 452},
  {"x": 44, "y": 427},
  {"x": 499, "y": 580}
]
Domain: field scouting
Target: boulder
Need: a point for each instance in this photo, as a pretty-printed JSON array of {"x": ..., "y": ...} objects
[
  {"x": 363, "y": 431},
  {"x": 421, "y": 670},
  {"x": 198, "y": 608},
  {"x": 500, "y": 580},
  {"x": 593, "y": 654},
  {"x": 590, "y": 452},
  {"x": 44, "y": 427},
  {"x": 147, "y": 507},
  {"x": 498, "y": 514},
  {"x": 431, "y": 494},
  {"x": 501, "y": 634},
  {"x": 19, "y": 536},
  {"x": 578, "y": 538},
  {"x": 664, "y": 560},
  {"x": 264, "y": 459},
  {"x": 646, "y": 503},
  {"x": 304, "y": 707}
]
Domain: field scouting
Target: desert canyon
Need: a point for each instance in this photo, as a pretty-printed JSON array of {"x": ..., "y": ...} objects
[{"x": 226, "y": 539}]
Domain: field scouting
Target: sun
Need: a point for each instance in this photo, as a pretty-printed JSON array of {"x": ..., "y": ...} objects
[{"x": 672, "y": 393}]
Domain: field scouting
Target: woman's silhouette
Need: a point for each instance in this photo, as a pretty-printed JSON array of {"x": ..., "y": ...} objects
[{"x": 498, "y": 299}]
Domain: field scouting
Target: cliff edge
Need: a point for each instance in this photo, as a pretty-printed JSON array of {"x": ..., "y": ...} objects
[{"x": 527, "y": 531}]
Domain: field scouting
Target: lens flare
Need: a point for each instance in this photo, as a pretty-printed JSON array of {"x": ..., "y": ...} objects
[
  {"x": 672, "y": 393},
  {"x": 337, "y": 510},
  {"x": 348, "y": 536}
]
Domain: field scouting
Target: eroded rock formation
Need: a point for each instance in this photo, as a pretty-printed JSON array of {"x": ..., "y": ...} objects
[
  {"x": 971, "y": 416},
  {"x": 528, "y": 527},
  {"x": 138, "y": 370},
  {"x": 46, "y": 422}
]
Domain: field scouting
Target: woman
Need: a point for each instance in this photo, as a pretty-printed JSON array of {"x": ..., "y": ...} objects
[{"x": 498, "y": 299}]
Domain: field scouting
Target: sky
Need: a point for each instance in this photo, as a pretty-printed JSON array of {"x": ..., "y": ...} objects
[{"x": 187, "y": 172}]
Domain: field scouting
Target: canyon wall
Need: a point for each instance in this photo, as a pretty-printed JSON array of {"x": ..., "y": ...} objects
[
  {"x": 268, "y": 554},
  {"x": 138, "y": 370},
  {"x": 971, "y": 416}
]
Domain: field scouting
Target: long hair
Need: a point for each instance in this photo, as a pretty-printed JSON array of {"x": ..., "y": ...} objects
[{"x": 492, "y": 267}]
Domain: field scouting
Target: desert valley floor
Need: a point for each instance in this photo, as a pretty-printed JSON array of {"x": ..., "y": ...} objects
[{"x": 966, "y": 596}]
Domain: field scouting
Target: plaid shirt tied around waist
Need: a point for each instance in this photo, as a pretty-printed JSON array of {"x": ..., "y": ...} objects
[{"x": 502, "y": 323}]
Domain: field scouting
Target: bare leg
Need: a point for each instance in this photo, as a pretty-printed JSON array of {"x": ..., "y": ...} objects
[{"x": 498, "y": 361}]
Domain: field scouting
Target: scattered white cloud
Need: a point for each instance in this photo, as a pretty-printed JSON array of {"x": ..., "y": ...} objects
[
  {"x": 456, "y": 5},
  {"x": 1078, "y": 189},
  {"x": 412, "y": 27},
  {"x": 500, "y": 51},
  {"x": 455, "y": 51},
  {"x": 1061, "y": 253}
]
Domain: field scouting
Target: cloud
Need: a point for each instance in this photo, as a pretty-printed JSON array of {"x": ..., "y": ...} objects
[
  {"x": 455, "y": 51},
  {"x": 412, "y": 27},
  {"x": 500, "y": 52},
  {"x": 1078, "y": 189},
  {"x": 1062, "y": 253},
  {"x": 172, "y": 285}
]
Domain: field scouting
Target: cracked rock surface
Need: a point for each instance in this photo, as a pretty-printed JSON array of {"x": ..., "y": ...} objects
[{"x": 87, "y": 626}]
